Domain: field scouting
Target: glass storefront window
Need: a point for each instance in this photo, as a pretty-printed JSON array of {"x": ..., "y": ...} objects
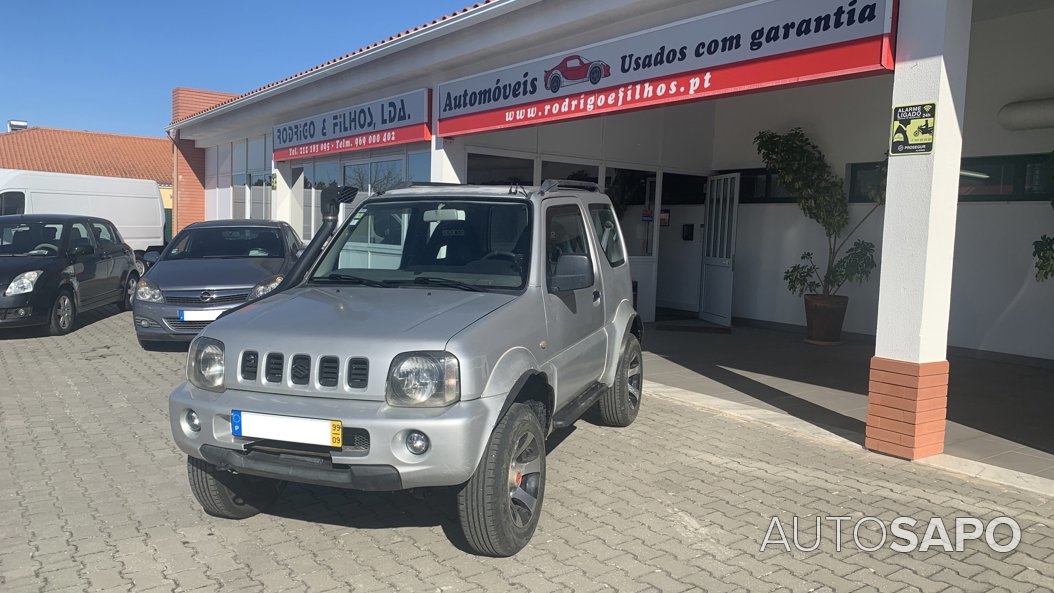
[
  {"x": 570, "y": 171},
  {"x": 238, "y": 192},
  {"x": 260, "y": 196},
  {"x": 678, "y": 189},
  {"x": 385, "y": 175},
  {"x": 487, "y": 169},
  {"x": 357, "y": 175},
  {"x": 309, "y": 202},
  {"x": 419, "y": 166},
  {"x": 632, "y": 193}
]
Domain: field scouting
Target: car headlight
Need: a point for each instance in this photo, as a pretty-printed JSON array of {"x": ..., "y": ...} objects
[
  {"x": 148, "y": 292},
  {"x": 265, "y": 287},
  {"x": 23, "y": 283},
  {"x": 423, "y": 379},
  {"x": 205, "y": 364}
]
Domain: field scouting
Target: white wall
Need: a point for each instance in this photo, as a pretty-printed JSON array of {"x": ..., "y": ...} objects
[{"x": 996, "y": 303}]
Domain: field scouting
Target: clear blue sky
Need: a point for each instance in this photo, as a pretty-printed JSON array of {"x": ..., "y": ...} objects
[{"x": 111, "y": 65}]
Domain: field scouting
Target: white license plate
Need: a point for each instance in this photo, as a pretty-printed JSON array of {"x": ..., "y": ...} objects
[
  {"x": 310, "y": 431},
  {"x": 199, "y": 315}
]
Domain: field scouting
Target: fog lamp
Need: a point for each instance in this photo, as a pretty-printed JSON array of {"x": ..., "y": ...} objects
[
  {"x": 417, "y": 442},
  {"x": 193, "y": 421},
  {"x": 20, "y": 312}
]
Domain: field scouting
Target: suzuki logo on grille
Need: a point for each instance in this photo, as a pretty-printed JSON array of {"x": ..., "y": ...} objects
[
  {"x": 301, "y": 370},
  {"x": 206, "y": 296}
]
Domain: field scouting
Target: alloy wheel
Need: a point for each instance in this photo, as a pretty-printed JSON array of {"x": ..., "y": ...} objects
[
  {"x": 634, "y": 379},
  {"x": 64, "y": 312},
  {"x": 525, "y": 479}
]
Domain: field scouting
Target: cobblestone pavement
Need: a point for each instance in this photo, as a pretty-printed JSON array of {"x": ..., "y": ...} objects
[{"x": 93, "y": 497}]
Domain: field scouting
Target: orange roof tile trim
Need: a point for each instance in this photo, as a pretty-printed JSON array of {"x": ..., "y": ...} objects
[
  {"x": 234, "y": 98},
  {"x": 87, "y": 153}
]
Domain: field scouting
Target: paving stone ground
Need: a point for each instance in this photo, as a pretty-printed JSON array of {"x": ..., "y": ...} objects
[{"x": 93, "y": 497}]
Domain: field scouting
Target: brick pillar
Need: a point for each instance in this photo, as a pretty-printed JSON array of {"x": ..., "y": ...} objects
[
  {"x": 906, "y": 407},
  {"x": 188, "y": 192}
]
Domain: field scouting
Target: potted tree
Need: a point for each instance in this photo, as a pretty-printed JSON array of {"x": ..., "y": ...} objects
[
  {"x": 1043, "y": 249},
  {"x": 802, "y": 169}
]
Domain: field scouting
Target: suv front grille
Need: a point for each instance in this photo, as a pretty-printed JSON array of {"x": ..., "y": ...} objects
[
  {"x": 301, "y": 369},
  {"x": 273, "y": 370},
  {"x": 250, "y": 364},
  {"x": 328, "y": 371},
  {"x": 358, "y": 373}
]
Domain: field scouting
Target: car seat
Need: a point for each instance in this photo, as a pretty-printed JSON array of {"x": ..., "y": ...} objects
[{"x": 460, "y": 241}]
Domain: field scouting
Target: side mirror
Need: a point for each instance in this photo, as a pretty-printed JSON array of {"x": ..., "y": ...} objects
[
  {"x": 82, "y": 250},
  {"x": 573, "y": 272},
  {"x": 151, "y": 257}
]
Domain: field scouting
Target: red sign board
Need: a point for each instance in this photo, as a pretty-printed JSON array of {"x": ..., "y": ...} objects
[
  {"x": 390, "y": 137},
  {"x": 844, "y": 60}
]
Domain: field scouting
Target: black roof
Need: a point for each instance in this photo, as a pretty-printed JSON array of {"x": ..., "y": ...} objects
[
  {"x": 240, "y": 222},
  {"x": 47, "y": 218}
]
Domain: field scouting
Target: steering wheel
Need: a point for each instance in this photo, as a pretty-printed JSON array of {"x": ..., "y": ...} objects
[
  {"x": 501, "y": 254},
  {"x": 46, "y": 246}
]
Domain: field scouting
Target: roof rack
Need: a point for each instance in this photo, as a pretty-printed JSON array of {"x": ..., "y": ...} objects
[
  {"x": 551, "y": 184},
  {"x": 409, "y": 184}
]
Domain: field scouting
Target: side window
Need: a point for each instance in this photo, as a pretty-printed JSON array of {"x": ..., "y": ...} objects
[
  {"x": 80, "y": 236},
  {"x": 607, "y": 233},
  {"x": 565, "y": 233},
  {"x": 117, "y": 239},
  {"x": 12, "y": 202},
  {"x": 103, "y": 236},
  {"x": 294, "y": 241}
]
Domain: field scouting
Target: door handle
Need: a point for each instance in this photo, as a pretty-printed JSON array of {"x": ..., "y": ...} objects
[{"x": 596, "y": 296}]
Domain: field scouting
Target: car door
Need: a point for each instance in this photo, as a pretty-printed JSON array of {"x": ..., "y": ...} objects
[
  {"x": 111, "y": 259},
  {"x": 574, "y": 318},
  {"x": 90, "y": 284}
]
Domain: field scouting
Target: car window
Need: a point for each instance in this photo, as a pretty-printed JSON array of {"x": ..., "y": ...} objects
[
  {"x": 80, "y": 236},
  {"x": 605, "y": 227},
  {"x": 30, "y": 238},
  {"x": 226, "y": 242},
  {"x": 474, "y": 243},
  {"x": 565, "y": 233},
  {"x": 12, "y": 202},
  {"x": 103, "y": 236}
]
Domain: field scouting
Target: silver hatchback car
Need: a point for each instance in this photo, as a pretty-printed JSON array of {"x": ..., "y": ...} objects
[
  {"x": 435, "y": 340},
  {"x": 208, "y": 268}
]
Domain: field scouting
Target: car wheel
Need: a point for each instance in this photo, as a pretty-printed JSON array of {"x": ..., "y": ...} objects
[
  {"x": 554, "y": 82},
  {"x": 619, "y": 406},
  {"x": 129, "y": 295},
  {"x": 230, "y": 496},
  {"x": 500, "y": 505},
  {"x": 63, "y": 314},
  {"x": 595, "y": 74}
]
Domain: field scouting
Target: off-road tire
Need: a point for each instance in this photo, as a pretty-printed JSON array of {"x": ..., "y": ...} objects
[
  {"x": 230, "y": 496},
  {"x": 486, "y": 504},
  {"x": 619, "y": 405},
  {"x": 56, "y": 321}
]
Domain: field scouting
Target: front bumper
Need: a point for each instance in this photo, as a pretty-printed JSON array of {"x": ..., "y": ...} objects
[
  {"x": 161, "y": 322},
  {"x": 458, "y": 435},
  {"x": 22, "y": 310}
]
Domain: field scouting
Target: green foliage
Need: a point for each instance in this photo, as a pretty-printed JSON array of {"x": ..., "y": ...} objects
[
  {"x": 1043, "y": 250},
  {"x": 802, "y": 169}
]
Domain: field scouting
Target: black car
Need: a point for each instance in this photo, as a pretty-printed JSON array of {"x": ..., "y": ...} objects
[
  {"x": 206, "y": 269},
  {"x": 54, "y": 267}
]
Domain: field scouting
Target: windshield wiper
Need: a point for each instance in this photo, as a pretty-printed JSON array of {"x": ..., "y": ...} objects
[
  {"x": 350, "y": 279},
  {"x": 447, "y": 282}
]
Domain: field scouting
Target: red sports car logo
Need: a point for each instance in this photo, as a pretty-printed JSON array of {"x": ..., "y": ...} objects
[{"x": 574, "y": 69}]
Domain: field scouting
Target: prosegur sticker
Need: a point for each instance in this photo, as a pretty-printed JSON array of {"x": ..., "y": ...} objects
[{"x": 912, "y": 129}]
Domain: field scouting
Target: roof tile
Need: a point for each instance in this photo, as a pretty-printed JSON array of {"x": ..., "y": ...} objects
[{"x": 87, "y": 153}]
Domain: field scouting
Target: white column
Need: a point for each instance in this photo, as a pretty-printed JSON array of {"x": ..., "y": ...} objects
[{"x": 918, "y": 235}]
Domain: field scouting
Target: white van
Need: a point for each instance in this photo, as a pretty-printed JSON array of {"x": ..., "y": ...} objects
[{"x": 133, "y": 205}]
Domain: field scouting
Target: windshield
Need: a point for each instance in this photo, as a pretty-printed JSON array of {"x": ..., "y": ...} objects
[
  {"x": 227, "y": 242},
  {"x": 467, "y": 245},
  {"x": 30, "y": 238}
]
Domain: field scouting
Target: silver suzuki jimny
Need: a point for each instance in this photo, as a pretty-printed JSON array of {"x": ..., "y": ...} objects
[{"x": 435, "y": 339}]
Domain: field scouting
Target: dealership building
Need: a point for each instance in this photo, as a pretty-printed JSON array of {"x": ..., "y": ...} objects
[{"x": 659, "y": 102}]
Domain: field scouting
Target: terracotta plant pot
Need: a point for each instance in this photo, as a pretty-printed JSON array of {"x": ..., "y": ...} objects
[{"x": 823, "y": 318}]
